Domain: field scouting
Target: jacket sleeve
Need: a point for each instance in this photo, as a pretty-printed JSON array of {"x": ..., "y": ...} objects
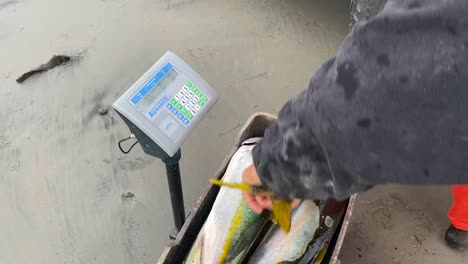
[
  {"x": 387, "y": 109},
  {"x": 291, "y": 160}
]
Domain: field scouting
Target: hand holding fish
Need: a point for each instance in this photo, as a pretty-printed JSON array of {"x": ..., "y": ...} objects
[
  {"x": 259, "y": 198},
  {"x": 259, "y": 202}
]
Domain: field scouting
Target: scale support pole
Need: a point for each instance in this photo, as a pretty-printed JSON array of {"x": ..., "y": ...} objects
[
  {"x": 172, "y": 170},
  {"x": 175, "y": 189}
]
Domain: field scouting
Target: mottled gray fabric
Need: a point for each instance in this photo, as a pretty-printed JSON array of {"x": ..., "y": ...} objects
[{"x": 392, "y": 107}]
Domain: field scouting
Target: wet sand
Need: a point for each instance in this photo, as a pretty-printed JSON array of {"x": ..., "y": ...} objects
[{"x": 62, "y": 174}]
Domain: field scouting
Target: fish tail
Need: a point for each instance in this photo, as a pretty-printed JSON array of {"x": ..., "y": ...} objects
[{"x": 281, "y": 213}]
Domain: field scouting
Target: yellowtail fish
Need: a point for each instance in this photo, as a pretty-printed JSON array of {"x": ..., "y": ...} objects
[
  {"x": 281, "y": 208},
  {"x": 231, "y": 227},
  {"x": 232, "y": 230},
  {"x": 278, "y": 247}
]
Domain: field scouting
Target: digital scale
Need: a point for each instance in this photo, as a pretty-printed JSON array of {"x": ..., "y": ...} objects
[
  {"x": 161, "y": 109},
  {"x": 167, "y": 102}
]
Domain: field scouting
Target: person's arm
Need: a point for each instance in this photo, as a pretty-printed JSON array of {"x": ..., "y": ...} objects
[
  {"x": 291, "y": 160},
  {"x": 390, "y": 108}
]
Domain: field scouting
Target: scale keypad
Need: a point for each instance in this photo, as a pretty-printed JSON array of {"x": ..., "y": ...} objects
[{"x": 187, "y": 103}]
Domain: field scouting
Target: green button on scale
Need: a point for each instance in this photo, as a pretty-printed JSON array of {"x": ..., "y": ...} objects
[
  {"x": 189, "y": 84},
  {"x": 174, "y": 101},
  {"x": 179, "y": 106},
  {"x": 189, "y": 116},
  {"x": 184, "y": 111},
  {"x": 201, "y": 103}
]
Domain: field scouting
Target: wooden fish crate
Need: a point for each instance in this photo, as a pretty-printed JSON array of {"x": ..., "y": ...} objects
[{"x": 255, "y": 126}]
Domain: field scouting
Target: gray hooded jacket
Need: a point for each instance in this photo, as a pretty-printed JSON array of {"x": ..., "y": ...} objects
[{"x": 391, "y": 107}]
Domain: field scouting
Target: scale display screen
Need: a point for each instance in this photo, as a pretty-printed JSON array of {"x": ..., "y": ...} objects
[
  {"x": 154, "y": 87},
  {"x": 157, "y": 89}
]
